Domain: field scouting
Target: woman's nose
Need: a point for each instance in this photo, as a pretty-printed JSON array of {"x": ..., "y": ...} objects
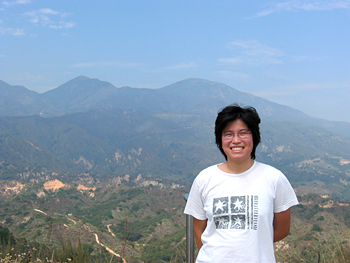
[{"x": 236, "y": 139}]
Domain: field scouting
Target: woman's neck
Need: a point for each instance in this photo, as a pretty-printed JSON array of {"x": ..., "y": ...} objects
[{"x": 236, "y": 167}]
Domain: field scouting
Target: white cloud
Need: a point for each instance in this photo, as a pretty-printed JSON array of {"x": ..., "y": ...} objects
[
  {"x": 48, "y": 11},
  {"x": 105, "y": 64},
  {"x": 49, "y": 17},
  {"x": 233, "y": 75},
  {"x": 44, "y": 17},
  {"x": 232, "y": 61},
  {"x": 182, "y": 66},
  {"x": 306, "y": 58},
  {"x": 17, "y": 2},
  {"x": 12, "y": 31},
  {"x": 253, "y": 48},
  {"x": 305, "y": 5},
  {"x": 296, "y": 89},
  {"x": 252, "y": 53},
  {"x": 63, "y": 25}
]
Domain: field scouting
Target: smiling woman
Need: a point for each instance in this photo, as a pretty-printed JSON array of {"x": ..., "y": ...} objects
[
  {"x": 239, "y": 207},
  {"x": 237, "y": 149}
]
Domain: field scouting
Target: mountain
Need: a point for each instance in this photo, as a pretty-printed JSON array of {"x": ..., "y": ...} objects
[
  {"x": 103, "y": 142},
  {"x": 83, "y": 94},
  {"x": 161, "y": 133},
  {"x": 134, "y": 143},
  {"x": 194, "y": 96},
  {"x": 80, "y": 94},
  {"x": 19, "y": 101},
  {"x": 97, "y": 162},
  {"x": 203, "y": 96}
]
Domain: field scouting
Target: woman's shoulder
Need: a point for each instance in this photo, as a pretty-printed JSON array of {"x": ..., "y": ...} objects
[
  {"x": 267, "y": 168},
  {"x": 207, "y": 172}
]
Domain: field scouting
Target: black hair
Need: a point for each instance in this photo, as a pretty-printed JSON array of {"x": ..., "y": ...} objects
[{"x": 248, "y": 115}]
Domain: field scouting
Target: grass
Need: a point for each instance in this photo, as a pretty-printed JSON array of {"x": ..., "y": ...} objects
[
  {"x": 332, "y": 249},
  {"x": 329, "y": 250},
  {"x": 61, "y": 249},
  {"x": 147, "y": 227}
]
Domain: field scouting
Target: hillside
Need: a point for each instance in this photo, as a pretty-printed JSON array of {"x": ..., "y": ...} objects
[
  {"x": 147, "y": 224},
  {"x": 135, "y": 219},
  {"x": 121, "y": 142},
  {"x": 191, "y": 96},
  {"x": 100, "y": 130}
]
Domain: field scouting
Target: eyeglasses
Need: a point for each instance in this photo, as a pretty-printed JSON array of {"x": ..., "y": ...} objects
[{"x": 242, "y": 135}]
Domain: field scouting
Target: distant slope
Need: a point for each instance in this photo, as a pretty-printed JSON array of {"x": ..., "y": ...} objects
[
  {"x": 191, "y": 96},
  {"x": 80, "y": 94},
  {"x": 207, "y": 97},
  {"x": 171, "y": 146},
  {"x": 19, "y": 101},
  {"x": 166, "y": 133},
  {"x": 103, "y": 142}
]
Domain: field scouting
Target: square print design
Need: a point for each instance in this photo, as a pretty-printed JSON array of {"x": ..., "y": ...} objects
[
  {"x": 236, "y": 212},
  {"x": 238, "y": 222},
  {"x": 238, "y": 204},
  {"x": 222, "y": 222},
  {"x": 220, "y": 206}
]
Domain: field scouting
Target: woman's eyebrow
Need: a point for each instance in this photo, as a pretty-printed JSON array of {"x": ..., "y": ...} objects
[{"x": 239, "y": 130}]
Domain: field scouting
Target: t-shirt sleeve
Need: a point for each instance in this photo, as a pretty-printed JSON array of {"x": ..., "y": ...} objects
[
  {"x": 195, "y": 205},
  {"x": 285, "y": 195}
]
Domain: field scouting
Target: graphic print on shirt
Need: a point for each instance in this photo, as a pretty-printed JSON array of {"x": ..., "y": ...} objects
[{"x": 236, "y": 212}]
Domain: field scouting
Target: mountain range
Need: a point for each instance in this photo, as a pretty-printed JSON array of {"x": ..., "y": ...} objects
[
  {"x": 188, "y": 96},
  {"x": 90, "y": 126}
]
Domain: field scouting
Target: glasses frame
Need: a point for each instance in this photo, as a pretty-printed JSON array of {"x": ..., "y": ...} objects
[{"x": 228, "y": 136}]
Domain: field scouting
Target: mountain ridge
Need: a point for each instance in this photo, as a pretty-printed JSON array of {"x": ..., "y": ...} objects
[
  {"x": 165, "y": 133},
  {"x": 193, "y": 95}
]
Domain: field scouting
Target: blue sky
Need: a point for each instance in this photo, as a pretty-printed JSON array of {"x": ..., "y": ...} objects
[{"x": 295, "y": 53}]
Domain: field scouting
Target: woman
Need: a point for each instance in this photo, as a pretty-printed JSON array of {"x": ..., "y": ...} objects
[{"x": 239, "y": 207}]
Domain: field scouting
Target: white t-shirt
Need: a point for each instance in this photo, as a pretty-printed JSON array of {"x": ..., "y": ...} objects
[{"x": 240, "y": 210}]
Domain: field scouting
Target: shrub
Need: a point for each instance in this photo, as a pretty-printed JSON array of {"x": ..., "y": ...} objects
[{"x": 316, "y": 227}]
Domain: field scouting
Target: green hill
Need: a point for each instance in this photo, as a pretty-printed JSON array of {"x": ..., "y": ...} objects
[{"x": 147, "y": 224}]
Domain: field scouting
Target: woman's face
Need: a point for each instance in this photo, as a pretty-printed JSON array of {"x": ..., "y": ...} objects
[{"x": 237, "y": 149}]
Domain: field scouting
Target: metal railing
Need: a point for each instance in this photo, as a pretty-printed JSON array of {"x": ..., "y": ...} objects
[{"x": 189, "y": 237}]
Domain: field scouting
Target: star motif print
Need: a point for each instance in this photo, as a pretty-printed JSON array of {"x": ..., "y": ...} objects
[
  {"x": 220, "y": 205},
  {"x": 236, "y": 212}
]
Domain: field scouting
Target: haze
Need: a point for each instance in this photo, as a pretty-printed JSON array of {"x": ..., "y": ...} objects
[{"x": 295, "y": 53}]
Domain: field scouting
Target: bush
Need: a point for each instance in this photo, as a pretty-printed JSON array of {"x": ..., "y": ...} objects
[
  {"x": 316, "y": 227},
  {"x": 5, "y": 236},
  {"x": 321, "y": 218}
]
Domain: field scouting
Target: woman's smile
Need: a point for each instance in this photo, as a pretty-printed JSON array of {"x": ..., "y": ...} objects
[{"x": 236, "y": 148}]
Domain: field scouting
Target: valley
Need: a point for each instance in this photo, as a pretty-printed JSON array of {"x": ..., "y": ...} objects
[
  {"x": 147, "y": 224},
  {"x": 103, "y": 170}
]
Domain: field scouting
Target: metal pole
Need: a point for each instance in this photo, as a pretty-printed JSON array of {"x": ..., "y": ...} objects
[{"x": 189, "y": 237}]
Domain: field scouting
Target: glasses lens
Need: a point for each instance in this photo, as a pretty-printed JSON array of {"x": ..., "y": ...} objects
[
  {"x": 228, "y": 136},
  {"x": 243, "y": 135}
]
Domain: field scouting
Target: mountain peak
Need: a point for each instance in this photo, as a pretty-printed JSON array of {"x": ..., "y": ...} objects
[
  {"x": 81, "y": 77},
  {"x": 78, "y": 90},
  {"x": 3, "y": 84},
  {"x": 199, "y": 88}
]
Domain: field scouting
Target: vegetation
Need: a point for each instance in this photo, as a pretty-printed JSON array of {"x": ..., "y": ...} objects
[
  {"x": 108, "y": 148},
  {"x": 19, "y": 250},
  {"x": 95, "y": 222},
  {"x": 166, "y": 133},
  {"x": 141, "y": 224}
]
